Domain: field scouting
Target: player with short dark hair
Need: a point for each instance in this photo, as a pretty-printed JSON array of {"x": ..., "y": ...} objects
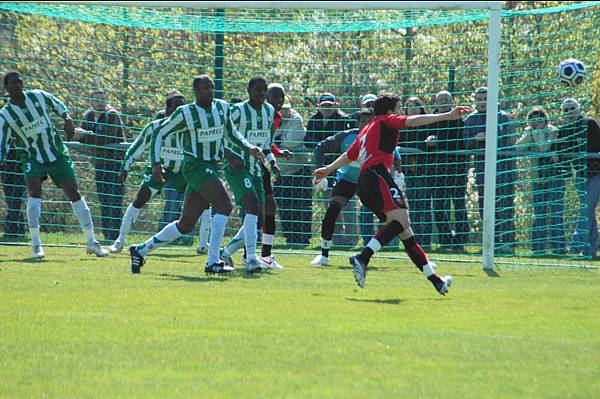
[
  {"x": 254, "y": 120},
  {"x": 374, "y": 150},
  {"x": 203, "y": 125},
  {"x": 26, "y": 116},
  {"x": 171, "y": 159}
]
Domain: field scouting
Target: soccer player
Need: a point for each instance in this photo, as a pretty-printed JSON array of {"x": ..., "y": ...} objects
[
  {"x": 203, "y": 126},
  {"x": 275, "y": 97},
  {"x": 27, "y": 117},
  {"x": 171, "y": 158},
  {"x": 345, "y": 182},
  {"x": 373, "y": 149},
  {"x": 254, "y": 120}
]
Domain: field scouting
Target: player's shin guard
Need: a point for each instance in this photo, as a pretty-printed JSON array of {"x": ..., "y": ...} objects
[
  {"x": 250, "y": 235},
  {"x": 84, "y": 215},
  {"x": 268, "y": 235},
  {"x": 167, "y": 235},
  {"x": 34, "y": 210},
  {"x": 382, "y": 237},
  {"x": 217, "y": 231},
  {"x": 204, "y": 231},
  {"x": 131, "y": 215},
  {"x": 328, "y": 226}
]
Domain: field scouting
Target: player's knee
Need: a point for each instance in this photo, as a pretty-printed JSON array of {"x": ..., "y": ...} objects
[
  {"x": 406, "y": 234},
  {"x": 224, "y": 206},
  {"x": 185, "y": 227}
]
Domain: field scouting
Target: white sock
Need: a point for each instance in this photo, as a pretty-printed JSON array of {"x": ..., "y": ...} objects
[
  {"x": 428, "y": 270},
  {"x": 204, "y": 233},
  {"x": 326, "y": 244},
  {"x": 267, "y": 239},
  {"x": 82, "y": 212},
  {"x": 250, "y": 235},
  {"x": 374, "y": 244},
  {"x": 34, "y": 210},
  {"x": 217, "y": 231},
  {"x": 167, "y": 235},
  {"x": 131, "y": 215},
  {"x": 236, "y": 243}
]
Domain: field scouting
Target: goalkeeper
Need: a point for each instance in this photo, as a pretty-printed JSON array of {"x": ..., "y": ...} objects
[{"x": 346, "y": 181}]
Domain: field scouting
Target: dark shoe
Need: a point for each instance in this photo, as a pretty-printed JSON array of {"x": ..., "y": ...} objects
[
  {"x": 137, "y": 260},
  {"x": 218, "y": 268}
]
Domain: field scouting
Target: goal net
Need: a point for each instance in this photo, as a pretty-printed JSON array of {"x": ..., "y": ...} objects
[{"x": 432, "y": 58}]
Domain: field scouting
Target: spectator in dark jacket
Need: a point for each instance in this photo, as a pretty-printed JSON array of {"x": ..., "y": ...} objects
[
  {"x": 328, "y": 120},
  {"x": 474, "y": 135},
  {"x": 582, "y": 133},
  {"x": 103, "y": 126},
  {"x": 450, "y": 175}
]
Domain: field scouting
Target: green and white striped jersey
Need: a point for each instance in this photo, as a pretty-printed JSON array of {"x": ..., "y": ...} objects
[
  {"x": 202, "y": 131},
  {"x": 257, "y": 127},
  {"x": 32, "y": 127},
  {"x": 171, "y": 153}
]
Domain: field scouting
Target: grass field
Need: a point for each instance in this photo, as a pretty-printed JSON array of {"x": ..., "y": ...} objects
[{"x": 74, "y": 326}]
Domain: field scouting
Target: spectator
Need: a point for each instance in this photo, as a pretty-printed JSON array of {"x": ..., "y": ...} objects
[
  {"x": 450, "y": 171},
  {"x": 13, "y": 185},
  {"x": 104, "y": 126},
  {"x": 293, "y": 189},
  {"x": 328, "y": 120},
  {"x": 577, "y": 133},
  {"x": 366, "y": 101},
  {"x": 420, "y": 174},
  {"x": 547, "y": 183},
  {"x": 474, "y": 135}
]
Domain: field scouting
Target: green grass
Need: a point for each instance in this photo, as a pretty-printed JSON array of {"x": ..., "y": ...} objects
[{"x": 78, "y": 326}]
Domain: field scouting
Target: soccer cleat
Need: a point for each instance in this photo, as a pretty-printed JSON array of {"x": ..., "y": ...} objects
[
  {"x": 359, "y": 269},
  {"x": 253, "y": 266},
  {"x": 116, "y": 247},
  {"x": 37, "y": 252},
  {"x": 218, "y": 268},
  {"x": 269, "y": 262},
  {"x": 443, "y": 284},
  {"x": 201, "y": 250},
  {"x": 95, "y": 248},
  {"x": 320, "y": 260},
  {"x": 137, "y": 260}
]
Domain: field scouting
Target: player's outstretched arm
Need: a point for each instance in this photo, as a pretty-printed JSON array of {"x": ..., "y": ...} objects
[
  {"x": 325, "y": 171},
  {"x": 426, "y": 119}
]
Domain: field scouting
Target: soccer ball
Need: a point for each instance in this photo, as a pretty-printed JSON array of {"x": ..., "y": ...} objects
[
  {"x": 321, "y": 185},
  {"x": 571, "y": 71}
]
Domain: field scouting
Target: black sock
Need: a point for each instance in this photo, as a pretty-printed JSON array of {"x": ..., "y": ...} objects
[{"x": 365, "y": 255}]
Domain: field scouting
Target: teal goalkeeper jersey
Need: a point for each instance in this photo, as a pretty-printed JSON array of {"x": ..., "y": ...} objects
[
  {"x": 171, "y": 153},
  {"x": 256, "y": 125},
  {"x": 202, "y": 131},
  {"x": 32, "y": 128}
]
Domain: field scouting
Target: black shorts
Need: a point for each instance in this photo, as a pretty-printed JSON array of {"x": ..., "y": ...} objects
[
  {"x": 343, "y": 188},
  {"x": 378, "y": 192},
  {"x": 267, "y": 180}
]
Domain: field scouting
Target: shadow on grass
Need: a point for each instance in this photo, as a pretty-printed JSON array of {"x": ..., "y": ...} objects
[
  {"x": 179, "y": 256},
  {"x": 382, "y": 301},
  {"x": 193, "y": 279}
]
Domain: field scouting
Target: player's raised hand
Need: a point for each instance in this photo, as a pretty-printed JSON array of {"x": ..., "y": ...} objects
[
  {"x": 256, "y": 152},
  {"x": 458, "y": 112},
  {"x": 322, "y": 173}
]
